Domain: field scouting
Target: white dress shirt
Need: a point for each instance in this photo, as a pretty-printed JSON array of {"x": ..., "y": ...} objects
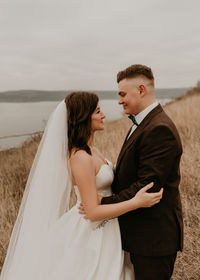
[{"x": 139, "y": 117}]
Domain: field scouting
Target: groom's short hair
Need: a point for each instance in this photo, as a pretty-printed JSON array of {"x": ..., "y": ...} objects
[{"x": 135, "y": 70}]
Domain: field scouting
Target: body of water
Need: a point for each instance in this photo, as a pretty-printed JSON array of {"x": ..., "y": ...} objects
[
  {"x": 26, "y": 118},
  {"x": 19, "y": 119}
]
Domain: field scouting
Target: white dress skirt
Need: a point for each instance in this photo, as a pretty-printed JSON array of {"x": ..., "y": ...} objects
[{"x": 78, "y": 249}]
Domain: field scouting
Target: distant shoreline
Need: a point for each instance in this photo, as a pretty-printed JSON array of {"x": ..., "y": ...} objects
[{"x": 23, "y": 96}]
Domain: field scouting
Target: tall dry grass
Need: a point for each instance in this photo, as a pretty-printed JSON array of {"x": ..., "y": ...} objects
[{"x": 15, "y": 165}]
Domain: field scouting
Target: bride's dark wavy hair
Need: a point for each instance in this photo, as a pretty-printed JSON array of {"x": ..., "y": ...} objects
[{"x": 80, "y": 107}]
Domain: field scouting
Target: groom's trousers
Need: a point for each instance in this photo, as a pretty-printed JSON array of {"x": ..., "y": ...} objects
[{"x": 153, "y": 268}]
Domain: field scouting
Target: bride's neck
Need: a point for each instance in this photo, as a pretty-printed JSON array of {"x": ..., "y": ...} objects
[{"x": 90, "y": 141}]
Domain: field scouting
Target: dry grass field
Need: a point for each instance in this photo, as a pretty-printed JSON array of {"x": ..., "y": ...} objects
[{"x": 185, "y": 112}]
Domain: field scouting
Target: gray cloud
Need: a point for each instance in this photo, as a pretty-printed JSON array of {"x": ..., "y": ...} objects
[{"x": 71, "y": 44}]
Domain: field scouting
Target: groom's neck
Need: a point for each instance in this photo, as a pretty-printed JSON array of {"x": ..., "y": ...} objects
[{"x": 146, "y": 103}]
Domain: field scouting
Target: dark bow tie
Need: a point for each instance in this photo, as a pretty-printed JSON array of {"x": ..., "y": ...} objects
[{"x": 131, "y": 117}]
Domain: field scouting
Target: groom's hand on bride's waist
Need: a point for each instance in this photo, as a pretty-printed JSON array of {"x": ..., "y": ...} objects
[
  {"x": 82, "y": 208},
  {"x": 99, "y": 199}
]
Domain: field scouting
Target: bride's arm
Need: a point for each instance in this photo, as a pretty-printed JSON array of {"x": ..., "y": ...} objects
[{"x": 83, "y": 172}]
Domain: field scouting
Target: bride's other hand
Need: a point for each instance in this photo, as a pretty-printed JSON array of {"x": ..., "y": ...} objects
[{"x": 145, "y": 199}]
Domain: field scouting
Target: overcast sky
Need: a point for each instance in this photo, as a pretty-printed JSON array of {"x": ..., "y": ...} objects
[{"x": 82, "y": 44}]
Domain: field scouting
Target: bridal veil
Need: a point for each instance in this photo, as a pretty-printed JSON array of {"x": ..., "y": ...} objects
[{"x": 46, "y": 198}]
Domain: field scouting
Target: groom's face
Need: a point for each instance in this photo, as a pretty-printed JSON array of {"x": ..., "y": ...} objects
[{"x": 129, "y": 96}]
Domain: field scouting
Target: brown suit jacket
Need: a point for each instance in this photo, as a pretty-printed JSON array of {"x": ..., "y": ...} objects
[{"x": 152, "y": 153}]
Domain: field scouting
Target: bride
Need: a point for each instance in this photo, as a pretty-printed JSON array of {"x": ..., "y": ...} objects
[{"x": 52, "y": 242}]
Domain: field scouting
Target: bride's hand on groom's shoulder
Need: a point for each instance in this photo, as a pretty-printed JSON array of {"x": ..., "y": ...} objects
[{"x": 145, "y": 199}]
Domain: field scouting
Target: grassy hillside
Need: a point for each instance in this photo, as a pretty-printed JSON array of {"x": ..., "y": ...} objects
[{"x": 15, "y": 165}]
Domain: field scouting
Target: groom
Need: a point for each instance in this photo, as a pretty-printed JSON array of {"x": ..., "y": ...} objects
[{"x": 151, "y": 152}]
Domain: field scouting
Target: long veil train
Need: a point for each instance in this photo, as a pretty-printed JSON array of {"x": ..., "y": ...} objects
[{"x": 46, "y": 198}]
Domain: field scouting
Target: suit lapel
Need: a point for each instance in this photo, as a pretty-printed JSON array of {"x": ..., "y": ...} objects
[
  {"x": 123, "y": 145},
  {"x": 137, "y": 132}
]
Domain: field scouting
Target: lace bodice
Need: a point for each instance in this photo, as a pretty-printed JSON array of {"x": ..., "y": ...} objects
[{"x": 104, "y": 179}]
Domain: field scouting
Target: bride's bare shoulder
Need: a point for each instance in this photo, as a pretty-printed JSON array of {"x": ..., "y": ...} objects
[{"x": 80, "y": 159}]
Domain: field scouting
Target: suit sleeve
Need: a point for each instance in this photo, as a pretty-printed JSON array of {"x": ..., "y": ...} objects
[{"x": 157, "y": 152}]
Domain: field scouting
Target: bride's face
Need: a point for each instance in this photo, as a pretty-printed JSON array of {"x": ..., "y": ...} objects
[{"x": 97, "y": 119}]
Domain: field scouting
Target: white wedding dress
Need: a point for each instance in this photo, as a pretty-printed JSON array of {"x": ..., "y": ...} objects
[
  {"x": 86, "y": 250},
  {"x": 49, "y": 241}
]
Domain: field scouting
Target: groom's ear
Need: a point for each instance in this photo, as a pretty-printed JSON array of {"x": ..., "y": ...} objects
[{"x": 142, "y": 90}]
